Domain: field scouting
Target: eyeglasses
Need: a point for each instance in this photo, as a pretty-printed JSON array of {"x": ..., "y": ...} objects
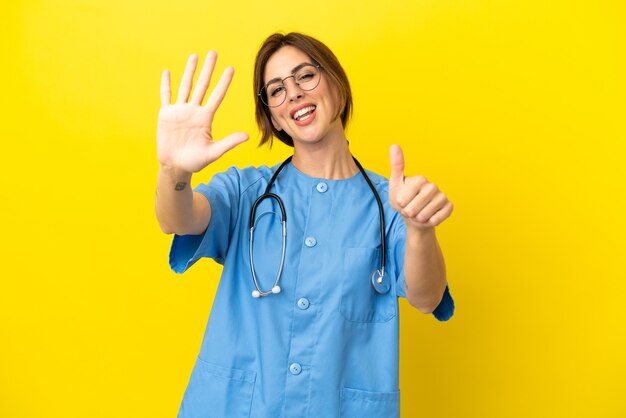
[{"x": 306, "y": 76}]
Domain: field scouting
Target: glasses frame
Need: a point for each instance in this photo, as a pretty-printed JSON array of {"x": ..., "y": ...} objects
[{"x": 293, "y": 75}]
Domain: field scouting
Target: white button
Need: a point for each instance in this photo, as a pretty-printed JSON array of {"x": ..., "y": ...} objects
[
  {"x": 303, "y": 303},
  {"x": 310, "y": 242},
  {"x": 322, "y": 187},
  {"x": 295, "y": 368}
]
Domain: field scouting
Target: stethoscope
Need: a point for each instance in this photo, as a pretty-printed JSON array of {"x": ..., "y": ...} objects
[{"x": 380, "y": 285}]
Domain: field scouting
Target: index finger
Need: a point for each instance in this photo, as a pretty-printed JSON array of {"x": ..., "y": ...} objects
[{"x": 218, "y": 93}]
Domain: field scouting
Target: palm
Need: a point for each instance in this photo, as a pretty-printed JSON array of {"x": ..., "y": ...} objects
[{"x": 184, "y": 138}]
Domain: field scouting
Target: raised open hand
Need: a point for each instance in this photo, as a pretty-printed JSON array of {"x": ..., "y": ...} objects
[{"x": 184, "y": 138}]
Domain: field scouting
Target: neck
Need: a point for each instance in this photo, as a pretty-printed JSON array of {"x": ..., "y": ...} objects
[{"x": 329, "y": 161}]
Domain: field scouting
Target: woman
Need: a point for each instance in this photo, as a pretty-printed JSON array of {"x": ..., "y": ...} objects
[{"x": 303, "y": 323}]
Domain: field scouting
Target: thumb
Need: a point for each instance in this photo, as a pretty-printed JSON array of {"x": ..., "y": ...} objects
[
  {"x": 397, "y": 165},
  {"x": 228, "y": 143}
]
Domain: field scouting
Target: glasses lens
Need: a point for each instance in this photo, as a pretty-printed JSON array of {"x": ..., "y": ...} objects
[
  {"x": 274, "y": 93},
  {"x": 308, "y": 77}
]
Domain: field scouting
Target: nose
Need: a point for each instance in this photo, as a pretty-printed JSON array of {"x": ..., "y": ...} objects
[{"x": 294, "y": 91}]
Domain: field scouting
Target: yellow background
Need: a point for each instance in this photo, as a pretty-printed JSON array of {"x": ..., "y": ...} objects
[{"x": 514, "y": 108}]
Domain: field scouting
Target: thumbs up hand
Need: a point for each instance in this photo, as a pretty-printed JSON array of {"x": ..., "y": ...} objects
[{"x": 421, "y": 204}]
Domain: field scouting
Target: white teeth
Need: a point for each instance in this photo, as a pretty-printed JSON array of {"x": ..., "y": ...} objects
[{"x": 303, "y": 111}]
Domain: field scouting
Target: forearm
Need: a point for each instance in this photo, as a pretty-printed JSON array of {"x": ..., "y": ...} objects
[
  {"x": 174, "y": 203},
  {"x": 424, "y": 269}
]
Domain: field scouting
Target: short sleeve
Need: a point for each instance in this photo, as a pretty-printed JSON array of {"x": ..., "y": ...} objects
[
  {"x": 223, "y": 194},
  {"x": 397, "y": 245},
  {"x": 445, "y": 309},
  {"x": 396, "y": 242}
]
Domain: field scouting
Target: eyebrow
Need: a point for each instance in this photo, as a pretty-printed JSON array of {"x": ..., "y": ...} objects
[{"x": 293, "y": 71}]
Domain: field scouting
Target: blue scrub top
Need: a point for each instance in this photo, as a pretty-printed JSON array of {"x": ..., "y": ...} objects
[{"x": 327, "y": 345}]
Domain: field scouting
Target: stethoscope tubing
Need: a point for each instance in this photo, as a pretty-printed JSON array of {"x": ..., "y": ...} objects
[
  {"x": 383, "y": 246},
  {"x": 275, "y": 289},
  {"x": 377, "y": 276}
]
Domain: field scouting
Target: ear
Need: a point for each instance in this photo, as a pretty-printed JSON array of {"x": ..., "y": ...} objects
[{"x": 275, "y": 123}]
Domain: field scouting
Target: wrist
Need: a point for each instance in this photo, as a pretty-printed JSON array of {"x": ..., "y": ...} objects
[
  {"x": 419, "y": 232},
  {"x": 174, "y": 173}
]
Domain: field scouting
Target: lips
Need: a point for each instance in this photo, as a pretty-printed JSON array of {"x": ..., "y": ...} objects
[{"x": 302, "y": 112}]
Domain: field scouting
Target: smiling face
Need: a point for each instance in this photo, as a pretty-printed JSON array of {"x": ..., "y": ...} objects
[{"x": 306, "y": 116}]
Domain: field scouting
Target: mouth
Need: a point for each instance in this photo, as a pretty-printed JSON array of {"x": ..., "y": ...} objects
[{"x": 303, "y": 113}]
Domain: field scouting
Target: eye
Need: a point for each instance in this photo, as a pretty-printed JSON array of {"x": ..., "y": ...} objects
[
  {"x": 276, "y": 89},
  {"x": 305, "y": 76}
]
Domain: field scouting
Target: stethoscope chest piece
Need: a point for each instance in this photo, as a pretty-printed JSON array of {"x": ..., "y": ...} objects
[{"x": 381, "y": 284}]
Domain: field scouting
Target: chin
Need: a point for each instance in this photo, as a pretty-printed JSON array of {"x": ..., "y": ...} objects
[
  {"x": 309, "y": 139},
  {"x": 315, "y": 137}
]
